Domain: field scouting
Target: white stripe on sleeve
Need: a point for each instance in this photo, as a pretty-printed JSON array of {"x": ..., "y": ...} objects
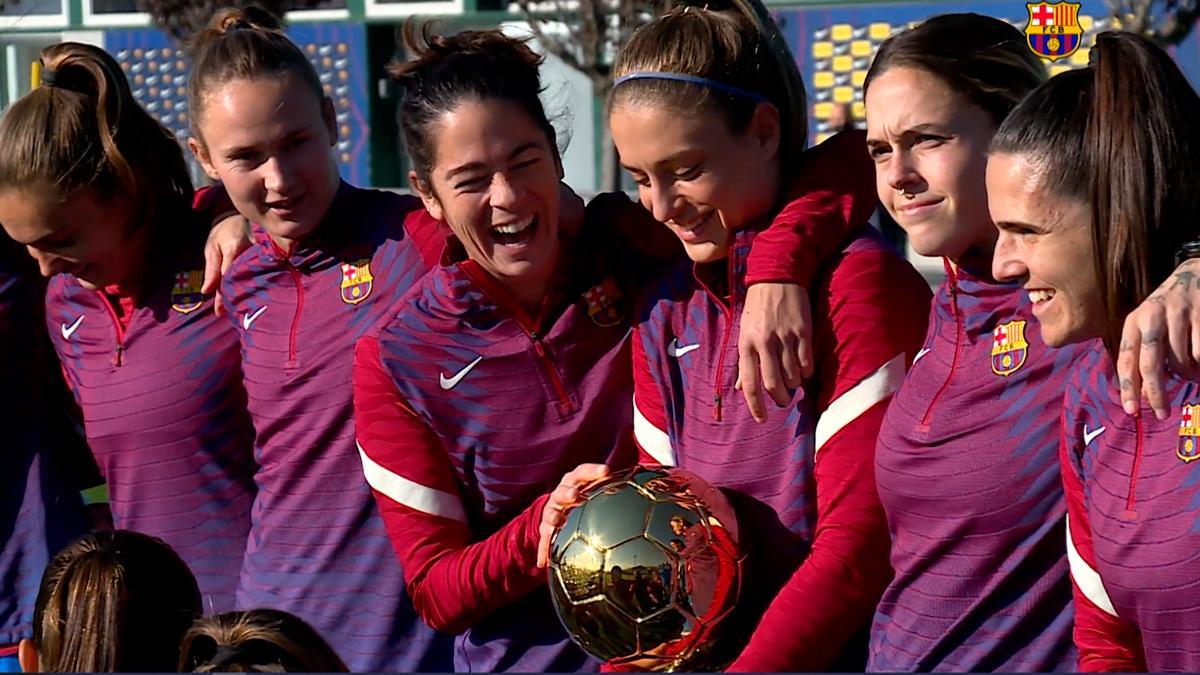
[
  {"x": 408, "y": 493},
  {"x": 859, "y": 399},
  {"x": 653, "y": 440},
  {"x": 1087, "y": 579}
]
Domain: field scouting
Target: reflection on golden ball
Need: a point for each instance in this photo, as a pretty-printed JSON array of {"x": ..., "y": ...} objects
[{"x": 646, "y": 568}]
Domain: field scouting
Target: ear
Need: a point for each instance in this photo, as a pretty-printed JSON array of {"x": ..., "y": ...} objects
[
  {"x": 329, "y": 115},
  {"x": 425, "y": 191},
  {"x": 201, "y": 152},
  {"x": 765, "y": 128},
  {"x": 27, "y": 656}
]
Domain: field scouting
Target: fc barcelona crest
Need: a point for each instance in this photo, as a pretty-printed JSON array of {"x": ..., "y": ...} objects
[
  {"x": 356, "y": 281},
  {"x": 1009, "y": 348},
  {"x": 1053, "y": 31},
  {"x": 185, "y": 294},
  {"x": 1188, "y": 448},
  {"x": 602, "y": 303}
]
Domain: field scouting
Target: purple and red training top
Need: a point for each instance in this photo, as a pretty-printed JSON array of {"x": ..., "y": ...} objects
[
  {"x": 968, "y": 474},
  {"x": 1133, "y": 499},
  {"x": 158, "y": 381},
  {"x": 318, "y": 547}
]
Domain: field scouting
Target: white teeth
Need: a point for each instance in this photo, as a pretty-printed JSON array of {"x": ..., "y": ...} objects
[
  {"x": 514, "y": 227},
  {"x": 1040, "y": 296}
]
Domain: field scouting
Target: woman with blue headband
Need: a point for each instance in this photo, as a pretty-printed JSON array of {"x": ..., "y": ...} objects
[{"x": 708, "y": 114}]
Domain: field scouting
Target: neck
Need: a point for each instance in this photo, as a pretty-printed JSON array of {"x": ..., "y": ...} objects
[
  {"x": 530, "y": 291},
  {"x": 978, "y": 256},
  {"x": 133, "y": 278}
]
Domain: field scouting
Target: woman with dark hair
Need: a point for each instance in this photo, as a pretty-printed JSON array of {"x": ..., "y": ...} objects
[
  {"x": 1094, "y": 192},
  {"x": 99, "y": 194},
  {"x": 256, "y": 641},
  {"x": 509, "y": 364},
  {"x": 966, "y": 468},
  {"x": 114, "y": 601}
]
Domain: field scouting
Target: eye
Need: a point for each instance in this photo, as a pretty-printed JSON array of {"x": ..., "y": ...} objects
[
  {"x": 525, "y": 163},
  {"x": 878, "y": 152},
  {"x": 690, "y": 173},
  {"x": 470, "y": 184},
  {"x": 929, "y": 139},
  {"x": 298, "y": 142}
]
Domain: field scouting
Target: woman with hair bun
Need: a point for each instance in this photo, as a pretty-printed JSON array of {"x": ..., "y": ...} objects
[
  {"x": 98, "y": 193},
  {"x": 328, "y": 261},
  {"x": 256, "y": 641},
  {"x": 1094, "y": 192}
]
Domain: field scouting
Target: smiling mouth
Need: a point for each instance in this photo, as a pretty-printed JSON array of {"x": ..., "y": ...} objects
[
  {"x": 285, "y": 205},
  {"x": 691, "y": 233},
  {"x": 1040, "y": 296},
  {"x": 515, "y": 233}
]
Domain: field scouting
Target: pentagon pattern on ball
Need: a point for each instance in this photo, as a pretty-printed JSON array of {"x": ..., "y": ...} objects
[{"x": 645, "y": 568}]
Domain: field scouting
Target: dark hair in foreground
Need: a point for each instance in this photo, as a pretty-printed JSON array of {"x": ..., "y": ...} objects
[
  {"x": 256, "y": 641},
  {"x": 446, "y": 70},
  {"x": 116, "y": 601},
  {"x": 1123, "y": 137},
  {"x": 981, "y": 58}
]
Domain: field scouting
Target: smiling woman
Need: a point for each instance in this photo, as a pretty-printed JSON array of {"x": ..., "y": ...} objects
[{"x": 1093, "y": 189}]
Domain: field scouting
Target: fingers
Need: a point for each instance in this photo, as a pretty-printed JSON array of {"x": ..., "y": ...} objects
[
  {"x": 218, "y": 305},
  {"x": 804, "y": 335},
  {"x": 564, "y": 496},
  {"x": 793, "y": 372},
  {"x": 1129, "y": 377},
  {"x": 212, "y": 266},
  {"x": 772, "y": 374},
  {"x": 1150, "y": 365},
  {"x": 1179, "y": 341},
  {"x": 749, "y": 383}
]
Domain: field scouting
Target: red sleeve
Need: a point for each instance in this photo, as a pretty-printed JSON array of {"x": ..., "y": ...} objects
[
  {"x": 454, "y": 580},
  {"x": 428, "y": 234},
  {"x": 1105, "y": 642},
  {"x": 831, "y": 195},
  {"x": 213, "y": 203},
  {"x": 877, "y": 308},
  {"x": 649, "y": 413}
]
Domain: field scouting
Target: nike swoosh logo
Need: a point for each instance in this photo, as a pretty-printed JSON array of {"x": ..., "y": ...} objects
[
  {"x": 675, "y": 350},
  {"x": 1089, "y": 436},
  {"x": 68, "y": 331},
  {"x": 449, "y": 383},
  {"x": 920, "y": 354},
  {"x": 248, "y": 319}
]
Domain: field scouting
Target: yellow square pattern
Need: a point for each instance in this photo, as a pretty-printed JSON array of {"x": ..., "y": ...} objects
[
  {"x": 841, "y": 32},
  {"x": 860, "y": 48},
  {"x": 823, "y": 79},
  {"x": 843, "y": 64},
  {"x": 822, "y": 50}
]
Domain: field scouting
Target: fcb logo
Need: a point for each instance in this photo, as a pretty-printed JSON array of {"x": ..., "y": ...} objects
[
  {"x": 1189, "y": 434},
  {"x": 356, "y": 281},
  {"x": 185, "y": 294},
  {"x": 1053, "y": 31},
  {"x": 1009, "y": 348},
  {"x": 602, "y": 303}
]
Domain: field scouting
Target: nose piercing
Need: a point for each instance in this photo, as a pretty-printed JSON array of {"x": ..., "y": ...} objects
[{"x": 901, "y": 192}]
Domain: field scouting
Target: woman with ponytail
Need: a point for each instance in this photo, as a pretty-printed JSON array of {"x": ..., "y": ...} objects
[
  {"x": 328, "y": 261},
  {"x": 708, "y": 113},
  {"x": 1094, "y": 192},
  {"x": 111, "y": 602},
  {"x": 99, "y": 194}
]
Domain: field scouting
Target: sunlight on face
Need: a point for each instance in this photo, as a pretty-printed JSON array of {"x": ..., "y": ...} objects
[
  {"x": 696, "y": 177},
  {"x": 1046, "y": 244}
]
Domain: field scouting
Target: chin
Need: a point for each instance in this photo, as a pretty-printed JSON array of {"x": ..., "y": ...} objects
[{"x": 705, "y": 252}]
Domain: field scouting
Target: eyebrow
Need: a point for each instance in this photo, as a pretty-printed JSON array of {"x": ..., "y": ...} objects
[
  {"x": 475, "y": 166},
  {"x": 662, "y": 162},
  {"x": 915, "y": 129}
]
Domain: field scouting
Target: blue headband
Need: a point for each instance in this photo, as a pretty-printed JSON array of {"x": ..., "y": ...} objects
[{"x": 693, "y": 79}]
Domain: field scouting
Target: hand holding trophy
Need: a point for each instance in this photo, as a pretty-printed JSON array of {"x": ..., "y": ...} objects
[{"x": 645, "y": 568}]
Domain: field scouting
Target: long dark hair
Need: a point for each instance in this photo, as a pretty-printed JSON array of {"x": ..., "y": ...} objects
[
  {"x": 256, "y": 641},
  {"x": 1132, "y": 155},
  {"x": 981, "y": 58},
  {"x": 115, "y": 601}
]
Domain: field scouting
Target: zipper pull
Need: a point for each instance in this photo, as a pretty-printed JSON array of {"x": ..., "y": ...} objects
[
  {"x": 717, "y": 407},
  {"x": 116, "y": 359}
]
